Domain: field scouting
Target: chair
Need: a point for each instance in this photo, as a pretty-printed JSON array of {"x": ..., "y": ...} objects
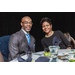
[
  {"x": 70, "y": 39},
  {"x": 4, "y": 40},
  {"x": 1, "y": 57}
]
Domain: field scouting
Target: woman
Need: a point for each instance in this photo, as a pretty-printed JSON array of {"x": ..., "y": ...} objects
[
  {"x": 70, "y": 39},
  {"x": 53, "y": 38}
]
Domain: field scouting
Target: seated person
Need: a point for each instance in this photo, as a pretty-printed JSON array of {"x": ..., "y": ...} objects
[
  {"x": 53, "y": 38},
  {"x": 19, "y": 40},
  {"x": 70, "y": 39}
]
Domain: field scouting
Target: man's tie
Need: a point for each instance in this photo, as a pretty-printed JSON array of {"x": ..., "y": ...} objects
[{"x": 28, "y": 38}]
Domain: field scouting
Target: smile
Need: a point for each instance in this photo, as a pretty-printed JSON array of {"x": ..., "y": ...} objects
[
  {"x": 46, "y": 29},
  {"x": 28, "y": 27}
]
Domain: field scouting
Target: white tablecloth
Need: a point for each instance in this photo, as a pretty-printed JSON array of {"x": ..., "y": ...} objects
[
  {"x": 69, "y": 51},
  {"x": 38, "y": 54},
  {"x": 34, "y": 56}
]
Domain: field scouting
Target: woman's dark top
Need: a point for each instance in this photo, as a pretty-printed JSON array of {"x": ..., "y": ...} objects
[{"x": 57, "y": 39}]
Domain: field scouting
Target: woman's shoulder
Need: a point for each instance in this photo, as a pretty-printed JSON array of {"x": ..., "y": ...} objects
[{"x": 58, "y": 31}]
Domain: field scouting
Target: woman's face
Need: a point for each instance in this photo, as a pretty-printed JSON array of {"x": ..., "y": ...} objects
[{"x": 46, "y": 27}]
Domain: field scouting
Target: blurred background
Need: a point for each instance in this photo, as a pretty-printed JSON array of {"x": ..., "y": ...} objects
[{"x": 63, "y": 21}]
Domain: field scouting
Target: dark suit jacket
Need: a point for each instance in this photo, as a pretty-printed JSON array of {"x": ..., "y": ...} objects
[{"x": 17, "y": 44}]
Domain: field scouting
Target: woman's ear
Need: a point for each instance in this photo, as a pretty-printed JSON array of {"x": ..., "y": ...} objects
[{"x": 51, "y": 26}]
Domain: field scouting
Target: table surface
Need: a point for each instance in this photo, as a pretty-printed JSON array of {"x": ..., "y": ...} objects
[{"x": 61, "y": 52}]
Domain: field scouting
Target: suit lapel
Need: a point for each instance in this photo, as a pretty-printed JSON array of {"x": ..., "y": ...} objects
[
  {"x": 24, "y": 37},
  {"x": 30, "y": 40}
]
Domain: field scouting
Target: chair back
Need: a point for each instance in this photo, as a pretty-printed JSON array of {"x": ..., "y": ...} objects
[
  {"x": 4, "y": 41},
  {"x": 1, "y": 57},
  {"x": 70, "y": 39}
]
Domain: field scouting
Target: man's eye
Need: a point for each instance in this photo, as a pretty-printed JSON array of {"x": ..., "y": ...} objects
[{"x": 26, "y": 22}]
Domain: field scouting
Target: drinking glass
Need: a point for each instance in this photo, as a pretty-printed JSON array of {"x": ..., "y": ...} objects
[{"x": 54, "y": 51}]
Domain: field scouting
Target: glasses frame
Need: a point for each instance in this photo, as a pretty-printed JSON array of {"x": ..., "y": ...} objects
[{"x": 28, "y": 23}]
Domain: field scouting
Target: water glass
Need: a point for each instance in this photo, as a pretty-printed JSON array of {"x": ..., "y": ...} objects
[{"x": 54, "y": 51}]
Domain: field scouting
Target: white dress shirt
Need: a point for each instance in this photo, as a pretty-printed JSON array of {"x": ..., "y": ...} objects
[{"x": 25, "y": 32}]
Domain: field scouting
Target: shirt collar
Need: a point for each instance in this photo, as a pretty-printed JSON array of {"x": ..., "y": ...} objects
[{"x": 24, "y": 31}]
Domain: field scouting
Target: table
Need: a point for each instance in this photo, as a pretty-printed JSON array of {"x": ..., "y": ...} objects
[
  {"x": 71, "y": 52},
  {"x": 61, "y": 52},
  {"x": 34, "y": 56}
]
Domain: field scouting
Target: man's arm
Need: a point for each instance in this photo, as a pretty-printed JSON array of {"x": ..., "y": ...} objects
[{"x": 13, "y": 46}]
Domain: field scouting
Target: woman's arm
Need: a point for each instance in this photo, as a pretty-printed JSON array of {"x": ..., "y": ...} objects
[
  {"x": 65, "y": 41},
  {"x": 68, "y": 48}
]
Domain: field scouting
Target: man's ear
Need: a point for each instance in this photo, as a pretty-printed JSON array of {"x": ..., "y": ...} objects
[{"x": 21, "y": 24}]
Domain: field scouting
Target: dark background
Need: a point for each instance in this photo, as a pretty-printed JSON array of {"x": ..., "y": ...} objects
[{"x": 63, "y": 21}]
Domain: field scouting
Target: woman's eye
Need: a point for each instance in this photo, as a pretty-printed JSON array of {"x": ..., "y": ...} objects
[
  {"x": 47, "y": 25},
  {"x": 43, "y": 26}
]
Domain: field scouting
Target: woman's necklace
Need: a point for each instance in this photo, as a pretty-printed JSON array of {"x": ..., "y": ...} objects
[{"x": 49, "y": 35}]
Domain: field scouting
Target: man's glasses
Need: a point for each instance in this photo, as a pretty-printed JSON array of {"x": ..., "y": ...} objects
[{"x": 28, "y": 23}]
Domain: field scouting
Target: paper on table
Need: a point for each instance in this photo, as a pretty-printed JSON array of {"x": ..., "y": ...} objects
[
  {"x": 63, "y": 52},
  {"x": 15, "y": 60}
]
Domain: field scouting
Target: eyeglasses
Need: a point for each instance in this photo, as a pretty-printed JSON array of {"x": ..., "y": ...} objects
[
  {"x": 28, "y": 23},
  {"x": 45, "y": 25}
]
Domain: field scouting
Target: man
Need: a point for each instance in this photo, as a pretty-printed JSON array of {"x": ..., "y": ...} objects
[{"x": 19, "y": 40}]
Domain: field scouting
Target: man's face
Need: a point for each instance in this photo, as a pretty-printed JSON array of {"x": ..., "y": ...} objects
[{"x": 26, "y": 24}]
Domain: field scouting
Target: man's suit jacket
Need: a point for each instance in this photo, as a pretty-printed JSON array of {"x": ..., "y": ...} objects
[{"x": 17, "y": 44}]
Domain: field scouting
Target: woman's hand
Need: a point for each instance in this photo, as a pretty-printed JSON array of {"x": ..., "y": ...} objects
[{"x": 68, "y": 48}]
